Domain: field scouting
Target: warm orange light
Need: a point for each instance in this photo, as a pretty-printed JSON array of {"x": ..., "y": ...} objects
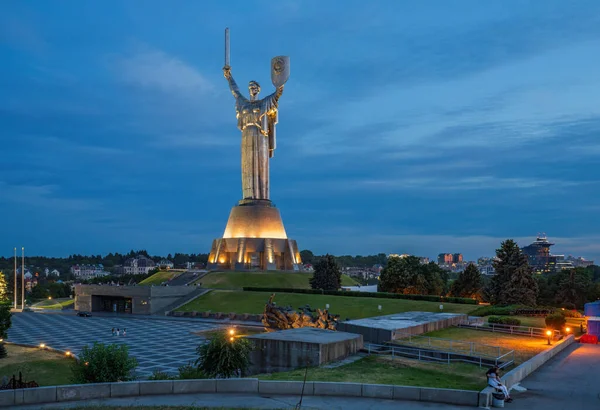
[
  {"x": 231, "y": 332},
  {"x": 221, "y": 260},
  {"x": 67, "y": 353},
  {"x": 42, "y": 346},
  {"x": 86, "y": 363},
  {"x": 568, "y": 329},
  {"x": 231, "y": 339},
  {"x": 549, "y": 332},
  {"x": 49, "y": 297}
]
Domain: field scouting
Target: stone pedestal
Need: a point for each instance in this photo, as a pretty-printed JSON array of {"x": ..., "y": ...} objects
[{"x": 254, "y": 239}]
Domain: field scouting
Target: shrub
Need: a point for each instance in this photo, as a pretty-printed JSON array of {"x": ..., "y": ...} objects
[
  {"x": 3, "y": 352},
  {"x": 189, "y": 371},
  {"x": 159, "y": 375},
  {"x": 571, "y": 313},
  {"x": 494, "y": 310},
  {"x": 556, "y": 321},
  {"x": 511, "y": 321},
  {"x": 5, "y": 319},
  {"x": 222, "y": 357},
  {"x": 104, "y": 363}
]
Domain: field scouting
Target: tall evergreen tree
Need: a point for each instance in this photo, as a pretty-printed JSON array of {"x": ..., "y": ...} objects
[
  {"x": 468, "y": 284},
  {"x": 514, "y": 282},
  {"x": 3, "y": 288},
  {"x": 408, "y": 276},
  {"x": 573, "y": 287},
  {"x": 328, "y": 275}
]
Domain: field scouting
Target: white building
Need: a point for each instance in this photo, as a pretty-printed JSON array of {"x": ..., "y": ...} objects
[
  {"x": 85, "y": 272},
  {"x": 138, "y": 266}
]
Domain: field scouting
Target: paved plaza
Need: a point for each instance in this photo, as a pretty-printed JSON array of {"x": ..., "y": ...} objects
[{"x": 157, "y": 344}]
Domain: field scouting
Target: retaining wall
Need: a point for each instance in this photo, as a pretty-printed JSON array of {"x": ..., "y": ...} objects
[
  {"x": 525, "y": 369},
  {"x": 80, "y": 392}
]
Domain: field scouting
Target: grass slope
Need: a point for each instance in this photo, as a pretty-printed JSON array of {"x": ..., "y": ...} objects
[
  {"x": 42, "y": 366},
  {"x": 159, "y": 277},
  {"x": 345, "y": 306},
  {"x": 238, "y": 280},
  {"x": 54, "y": 303},
  {"x": 400, "y": 371}
]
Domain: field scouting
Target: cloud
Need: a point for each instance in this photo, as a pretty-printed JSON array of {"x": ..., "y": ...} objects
[
  {"x": 45, "y": 197},
  {"x": 155, "y": 69}
]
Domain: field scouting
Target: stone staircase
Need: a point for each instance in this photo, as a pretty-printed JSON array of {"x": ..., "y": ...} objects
[{"x": 185, "y": 299}]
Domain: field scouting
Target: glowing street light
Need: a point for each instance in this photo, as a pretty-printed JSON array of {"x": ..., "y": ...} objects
[
  {"x": 42, "y": 346},
  {"x": 67, "y": 353},
  {"x": 567, "y": 329},
  {"x": 231, "y": 339},
  {"x": 231, "y": 332},
  {"x": 549, "y": 334}
]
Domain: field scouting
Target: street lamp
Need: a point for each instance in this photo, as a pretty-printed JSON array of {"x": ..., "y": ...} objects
[
  {"x": 549, "y": 334},
  {"x": 568, "y": 329}
]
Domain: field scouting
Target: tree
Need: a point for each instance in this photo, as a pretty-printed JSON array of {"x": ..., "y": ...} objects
[
  {"x": 327, "y": 274},
  {"x": 307, "y": 256},
  {"x": 573, "y": 287},
  {"x": 408, "y": 276},
  {"x": 104, "y": 363},
  {"x": 5, "y": 319},
  {"x": 222, "y": 357},
  {"x": 3, "y": 287},
  {"x": 514, "y": 282},
  {"x": 468, "y": 284}
]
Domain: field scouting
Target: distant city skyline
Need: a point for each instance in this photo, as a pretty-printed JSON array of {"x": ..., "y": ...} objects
[{"x": 429, "y": 127}]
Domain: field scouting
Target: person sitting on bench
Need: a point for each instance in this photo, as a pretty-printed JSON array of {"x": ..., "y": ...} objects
[{"x": 494, "y": 381}]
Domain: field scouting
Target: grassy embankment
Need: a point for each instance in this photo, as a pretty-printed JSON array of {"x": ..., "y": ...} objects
[
  {"x": 398, "y": 371},
  {"x": 44, "y": 367},
  {"x": 346, "y": 306},
  {"x": 238, "y": 280},
  {"x": 159, "y": 277},
  {"x": 54, "y": 303}
]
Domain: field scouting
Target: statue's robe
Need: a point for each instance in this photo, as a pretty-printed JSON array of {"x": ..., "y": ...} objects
[{"x": 256, "y": 120}]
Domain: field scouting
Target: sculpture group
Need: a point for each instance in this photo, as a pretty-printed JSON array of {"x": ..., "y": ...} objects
[{"x": 280, "y": 318}]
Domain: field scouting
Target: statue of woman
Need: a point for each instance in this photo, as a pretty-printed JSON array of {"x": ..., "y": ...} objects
[{"x": 256, "y": 120}]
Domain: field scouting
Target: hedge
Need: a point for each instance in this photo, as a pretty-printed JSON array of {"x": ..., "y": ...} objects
[
  {"x": 504, "y": 320},
  {"x": 381, "y": 295},
  {"x": 511, "y": 310}
]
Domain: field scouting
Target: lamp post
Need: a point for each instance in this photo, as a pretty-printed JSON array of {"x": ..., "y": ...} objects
[
  {"x": 549, "y": 334},
  {"x": 23, "y": 278},
  {"x": 15, "y": 278}
]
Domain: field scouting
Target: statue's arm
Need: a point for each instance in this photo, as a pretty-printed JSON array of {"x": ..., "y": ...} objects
[
  {"x": 273, "y": 99},
  {"x": 235, "y": 90}
]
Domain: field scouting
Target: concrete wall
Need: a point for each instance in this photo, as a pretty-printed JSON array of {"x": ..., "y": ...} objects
[
  {"x": 144, "y": 299},
  {"x": 525, "y": 369},
  {"x": 55, "y": 394},
  {"x": 272, "y": 355}
]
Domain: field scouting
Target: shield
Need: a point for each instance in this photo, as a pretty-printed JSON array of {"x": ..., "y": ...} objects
[{"x": 280, "y": 70}]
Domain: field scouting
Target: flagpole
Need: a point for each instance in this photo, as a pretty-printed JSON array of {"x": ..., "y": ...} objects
[
  {"x": 15, "y": 277},
  {"x": 23, "y": 278}
]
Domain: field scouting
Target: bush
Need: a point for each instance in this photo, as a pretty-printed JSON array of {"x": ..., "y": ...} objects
[
  {"x": 511, "y": 321},
  {"x": 189, "y": 371},
  {"x": 3, "y": 352},
  {"x": 494, "y": 310},
  {"x": 380, "y": 295},
  {"x": 571, "y": 313},
  {"x": 5, "y": 319},
  {"x": 158, "y": 375},
  {"x": 556, "y": 321},
  {"x": 222, "y": 357},
  {"x": 104, "y": 363}
]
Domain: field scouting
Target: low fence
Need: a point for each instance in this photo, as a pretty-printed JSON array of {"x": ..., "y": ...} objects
[
  {"x": 513, "y": 330},
  {"x": 54, "y": 394},
  {"x": 503, "y": 360},
  {"x": 450, "y": 345}
]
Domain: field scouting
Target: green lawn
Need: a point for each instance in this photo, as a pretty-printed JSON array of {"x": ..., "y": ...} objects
[
  {"x": 158, "y": 278},
  {"x": 42, "y": 366},
  {"x": 54, "y": 303},
  {"x": 238, "y": 280},
  {"x": 399, "y": 371},
  {"x": 346, "y": 306},
  {"x": 525, "y": 347}
]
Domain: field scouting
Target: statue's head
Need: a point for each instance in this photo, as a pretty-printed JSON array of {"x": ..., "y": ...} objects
[{"x": 254, "y": 88}]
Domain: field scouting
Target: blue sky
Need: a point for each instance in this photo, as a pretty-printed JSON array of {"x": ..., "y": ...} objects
[{"x": 412, "y": 127}]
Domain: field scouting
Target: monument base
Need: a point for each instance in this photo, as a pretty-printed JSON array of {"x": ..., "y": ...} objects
[{"x": 254, "y": 239}]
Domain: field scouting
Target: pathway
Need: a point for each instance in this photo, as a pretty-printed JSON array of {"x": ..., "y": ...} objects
[
  {"x": 569, "y": 381},
  {"x": 252, "y": 401},
  {"x": 157, "y": 344}
]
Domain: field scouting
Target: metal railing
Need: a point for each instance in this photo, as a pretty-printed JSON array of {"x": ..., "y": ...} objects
[
  {"x": 450, "y": 345},
  {"x": 439, "y": 356},
  {"x": 513, "y": 330}
]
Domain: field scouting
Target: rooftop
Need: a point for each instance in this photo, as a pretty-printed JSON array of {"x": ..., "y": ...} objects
[
  {"x": 402, "y": 320},
  {"x": 306, "y": 335}
]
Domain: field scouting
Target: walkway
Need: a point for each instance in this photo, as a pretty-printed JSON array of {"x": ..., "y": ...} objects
[
  {"x": 569, "y": 381},
  {"x": 247, "y": 401},
  {"x": 157, "y": 344}
]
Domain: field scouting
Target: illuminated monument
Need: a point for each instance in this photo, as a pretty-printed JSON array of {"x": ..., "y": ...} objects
[{"x": 254, "y": 237}]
